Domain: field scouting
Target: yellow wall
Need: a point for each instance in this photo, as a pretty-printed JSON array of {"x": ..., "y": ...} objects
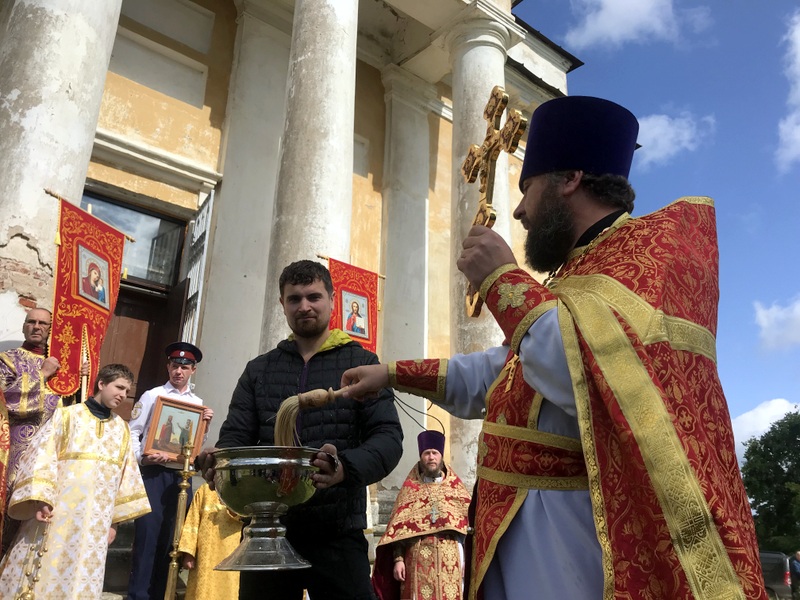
[
  {"x": 440, "y": 260},
  {"x": 370, "y": 123},
  {"x": 144, "y": 115}
]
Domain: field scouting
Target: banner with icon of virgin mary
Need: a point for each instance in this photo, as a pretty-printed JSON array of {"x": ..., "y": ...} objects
[
  {"x": 355, "y": 310},
  {"x": 88, "y": 271}
]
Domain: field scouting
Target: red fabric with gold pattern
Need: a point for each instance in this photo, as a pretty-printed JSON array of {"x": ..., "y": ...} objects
[
  {"x": 355, "y": 285},
  {"x": 81, "y": 311},
  {"x": 420, "y": 511},
  {"x": 513, "y": 298},
  {"x": 528, "y": 458},
  {"x": 424, "y": 377},
  {"x": 669, "y": 260}
]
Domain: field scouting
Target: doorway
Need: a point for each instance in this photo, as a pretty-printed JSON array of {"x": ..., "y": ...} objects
[{"x": 144, "y": 322}]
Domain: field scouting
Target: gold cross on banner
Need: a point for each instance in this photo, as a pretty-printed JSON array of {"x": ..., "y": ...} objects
[{"x": 482, "y": 160}]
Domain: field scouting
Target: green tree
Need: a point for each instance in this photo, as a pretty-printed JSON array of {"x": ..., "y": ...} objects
[{"x": 771, "y": 474}]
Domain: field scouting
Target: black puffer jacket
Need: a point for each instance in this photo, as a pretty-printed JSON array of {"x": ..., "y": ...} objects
[{"x": 367, "y": 435}]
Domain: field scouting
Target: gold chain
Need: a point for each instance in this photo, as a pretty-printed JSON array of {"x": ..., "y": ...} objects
[{"x": 33, "y": 562}]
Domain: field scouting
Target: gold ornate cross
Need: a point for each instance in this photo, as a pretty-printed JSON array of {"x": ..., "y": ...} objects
[{"x": 482, "y": 160}]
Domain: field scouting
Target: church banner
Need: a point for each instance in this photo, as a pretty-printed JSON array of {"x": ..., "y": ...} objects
[
  {"x": 355, "y": 310},
  {"x": 88, "y": 270}
]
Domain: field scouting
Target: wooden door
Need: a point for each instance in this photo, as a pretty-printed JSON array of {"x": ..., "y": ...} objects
[{"x": 143, "y": 324}]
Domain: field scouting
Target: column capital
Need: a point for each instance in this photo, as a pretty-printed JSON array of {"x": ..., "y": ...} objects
[
  {"x": 403, "y": 86},
  {"x": 481, "y": 23}
]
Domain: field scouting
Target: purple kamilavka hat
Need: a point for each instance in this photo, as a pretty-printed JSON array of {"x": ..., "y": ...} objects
[{"x": 430, "y": 440}]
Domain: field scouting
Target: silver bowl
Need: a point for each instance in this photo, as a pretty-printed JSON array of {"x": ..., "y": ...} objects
[{"x": 262, "y": 482}]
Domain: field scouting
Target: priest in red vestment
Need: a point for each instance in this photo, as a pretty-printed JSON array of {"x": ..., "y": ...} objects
[
  {"x": 421, "y": 554},
  {"x": 606, "y": 461}
]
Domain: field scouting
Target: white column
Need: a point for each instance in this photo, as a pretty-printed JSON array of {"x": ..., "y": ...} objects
[
  {"x": 313, "y": 206},
  {"x": 243, "y": 207},
  {"x": 405, "y": 226},
  {"x": 54, "y": 56},
  {"x": 478, "y": 53}
]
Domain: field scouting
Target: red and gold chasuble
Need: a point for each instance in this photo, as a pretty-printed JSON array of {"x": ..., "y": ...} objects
[
  {"x": 429, "y": 516},
  {"x": 637, "y": 310}
]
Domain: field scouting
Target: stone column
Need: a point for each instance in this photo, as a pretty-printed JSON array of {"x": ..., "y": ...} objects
[
  {"x": 405, "y": 226},
  {"x": 313, "y": 205},
  {"x": 243, "y": 206},
  {"x": 477, "y": 46},
  {"x": 54, "y": 56}
]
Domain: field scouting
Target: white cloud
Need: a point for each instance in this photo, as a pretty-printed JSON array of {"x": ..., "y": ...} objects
[
  {"x": 779, "y": 326},
  {"x": 756, "y": 422},
  {"x": 663, "y": 137},
  {"x": 615, "y": 22},
  {"x": 698, "y": 19},
  {"x": 788, "y": 152}
]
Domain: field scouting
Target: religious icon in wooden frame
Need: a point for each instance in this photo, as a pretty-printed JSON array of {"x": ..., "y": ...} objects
[
  {"x": 174, "y": 423},
  {"x": 93, "y": 271},
  {"x": 355, "y": 314}
]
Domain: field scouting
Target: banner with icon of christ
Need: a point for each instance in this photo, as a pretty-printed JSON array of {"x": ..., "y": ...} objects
[{"x": 355, "y": 310}]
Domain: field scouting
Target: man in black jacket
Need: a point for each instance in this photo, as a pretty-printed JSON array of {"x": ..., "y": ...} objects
[{"x": 365, "y": 439}]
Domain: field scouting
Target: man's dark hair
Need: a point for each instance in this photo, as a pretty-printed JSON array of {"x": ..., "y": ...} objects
[
  {"x": 613, "y": 190},
  {"x": 110, "y": 373},
  {"x": 305, "y": 272}
]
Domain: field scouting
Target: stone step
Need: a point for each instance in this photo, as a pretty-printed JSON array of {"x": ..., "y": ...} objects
[{"x": 118, "y": 566}]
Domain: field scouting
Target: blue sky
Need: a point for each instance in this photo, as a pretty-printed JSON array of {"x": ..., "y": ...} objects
[{"x": 716, "y": 88}]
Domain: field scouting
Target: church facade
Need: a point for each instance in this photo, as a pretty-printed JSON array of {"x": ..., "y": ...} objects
[{"x": 231, "y": 137}]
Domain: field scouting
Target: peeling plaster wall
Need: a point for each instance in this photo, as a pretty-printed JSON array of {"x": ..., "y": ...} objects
[
  {"x": 12, "y": 315},
  {"x": 53, "y": 60}
]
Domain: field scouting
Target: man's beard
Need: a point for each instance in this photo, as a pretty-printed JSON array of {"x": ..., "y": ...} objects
[
  {"x": 433, "y": 473},
  {"x": 308, "y": 329},
  {"x": 550, "y": 232}
]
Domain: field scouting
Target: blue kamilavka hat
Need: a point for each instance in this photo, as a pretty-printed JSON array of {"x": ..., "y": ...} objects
[{"x": 583, "y": 133}]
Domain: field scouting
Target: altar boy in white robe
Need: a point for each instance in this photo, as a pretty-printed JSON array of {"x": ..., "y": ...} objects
[{"x": 75, "y": 483}]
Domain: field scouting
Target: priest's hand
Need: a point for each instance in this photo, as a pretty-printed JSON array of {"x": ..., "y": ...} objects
[
  {"x": 50, "y": 366},
  {"x": 330, "y": 472},
  {"x": 187, "y": 561},
  {"x": 112, "y": 533},
  {"x": 204, "y": 463},
  {"x": 364, "y": 382},
  {"x": 400, "y": 571},
  {"x": 44, "y": 512},
  {"x": 483, "y": 251}
]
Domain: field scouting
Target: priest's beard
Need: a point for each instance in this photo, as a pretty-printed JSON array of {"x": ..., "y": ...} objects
[
  {"x": 550, "y": 232},
  {"x": 433, "y": 471}
]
